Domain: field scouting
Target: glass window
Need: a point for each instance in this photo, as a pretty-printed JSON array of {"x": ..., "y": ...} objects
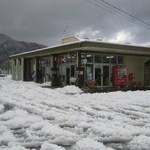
[
  {"x": 83, "y": 55},
  {"x": 98, "y": 59},
  {"x": 89, "y": 72},
  {"x": 113, "y": 59},
  {"x": 72, "y": 71},
  {"x": 106, "y": 59},
  {"x": 89, "y": 57},
  {"x": 73, "y": 58},
  {"x": 62, "y": 59},
  {"x": 120, "y": 59},
  {"x": 83, "y": 59},
  {"x": 67, "y": 58}
]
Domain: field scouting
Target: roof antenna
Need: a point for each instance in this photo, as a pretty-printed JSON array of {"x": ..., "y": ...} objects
[{"x": 65, "y": 30}]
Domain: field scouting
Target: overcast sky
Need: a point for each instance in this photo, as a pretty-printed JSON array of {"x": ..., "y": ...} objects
[{"x": 47, "y": 21}]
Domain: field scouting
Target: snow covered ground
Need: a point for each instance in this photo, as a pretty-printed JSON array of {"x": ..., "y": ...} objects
[{"x": 36, "y": 118}]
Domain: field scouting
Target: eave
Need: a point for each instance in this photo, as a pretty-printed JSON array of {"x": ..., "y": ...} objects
[{"x": 92, "y": 46}]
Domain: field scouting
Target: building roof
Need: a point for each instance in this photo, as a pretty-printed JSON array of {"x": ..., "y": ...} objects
[{"x": 88, "y": 45}]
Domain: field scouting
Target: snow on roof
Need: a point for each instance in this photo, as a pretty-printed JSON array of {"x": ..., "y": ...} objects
[
  {"x": 46, "y": 48},
  {"x": 77, "y": 42}
]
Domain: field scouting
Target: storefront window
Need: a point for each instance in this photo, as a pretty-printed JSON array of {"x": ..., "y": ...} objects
[
  {"x": 86, "y": 58},
  {"x": 73, "y": 58},
  {"x": 89, "y": 58},
  {"x": 113, "y": 59},
  {"x": 106, "y": 59},
  {"x": 89, "y": 72},
  {"x": 83, "y": 59},
  {"x": 72, "y": 71},
  {"x": 120, "y": 59},
  {"x": 68, "y": 58},
  {"x": 98, "y": 59}
]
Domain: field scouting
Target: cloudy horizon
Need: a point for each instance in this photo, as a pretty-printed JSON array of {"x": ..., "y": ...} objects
[{"x": 48, "y": 21}]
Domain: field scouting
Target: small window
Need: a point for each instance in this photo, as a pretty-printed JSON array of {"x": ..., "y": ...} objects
[
  {"x": 113, "y": 59},
  {"x": 73, "y": 58},
  {"x": 120, "y": 59},
  {"x": 83, "y": 59},
  {"x": 106, "y": 59},
  {"x": 98, "y": 59},
  {"x": 89, "y": 58}
]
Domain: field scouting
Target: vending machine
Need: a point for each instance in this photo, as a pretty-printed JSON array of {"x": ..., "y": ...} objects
[{"x": 119, "y": 75}]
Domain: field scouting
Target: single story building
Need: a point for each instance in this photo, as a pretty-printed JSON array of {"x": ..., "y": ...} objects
[{"x": 83, "y": 62}]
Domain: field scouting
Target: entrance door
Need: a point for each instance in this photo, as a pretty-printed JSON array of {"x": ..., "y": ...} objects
[
  {"x": 105, "y": 75},
  {"x": 102, "y": 75},
  {"x": 147, "y": 73},
  {"x": 98, "y": 78},
  {"x": 67, "y": 76},
  {"x": 27, "y": 72}
]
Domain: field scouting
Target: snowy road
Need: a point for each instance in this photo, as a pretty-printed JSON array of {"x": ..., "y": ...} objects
[{"x": 38, "y": 118}]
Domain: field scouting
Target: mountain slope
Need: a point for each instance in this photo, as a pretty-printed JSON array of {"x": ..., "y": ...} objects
[{"x": 9, "y": 46}]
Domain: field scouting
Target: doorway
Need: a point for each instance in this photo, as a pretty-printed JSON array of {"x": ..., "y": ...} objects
[
  {"x": 102, "y": 75},
  {"x": 27, "y": 72},
  {"x": 67, "y": 76},
  {"x": 105, "y": 75},
  {"x": 147, "y": 73},
  {"x": 98, "y": 73}
]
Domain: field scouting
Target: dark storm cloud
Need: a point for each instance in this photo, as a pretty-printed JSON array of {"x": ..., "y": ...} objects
[{"x": 47, "y": 21}]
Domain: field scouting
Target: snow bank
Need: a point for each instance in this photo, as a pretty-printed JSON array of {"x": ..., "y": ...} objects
[
  {"x": 139, "y": 143},
  {"x": 70, "y": 90},
  {"x": 48, "y": 146},
  {"x": 90, "y": 144}
]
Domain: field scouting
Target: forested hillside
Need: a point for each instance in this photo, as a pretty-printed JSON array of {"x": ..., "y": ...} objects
[{"x": 9, "y": 46}]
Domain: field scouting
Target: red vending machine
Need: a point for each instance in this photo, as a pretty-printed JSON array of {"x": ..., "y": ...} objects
[{"x": 119, "y": 75}]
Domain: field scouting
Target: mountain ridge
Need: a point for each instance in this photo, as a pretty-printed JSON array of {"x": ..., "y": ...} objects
[{"x": 9, "y": 46}]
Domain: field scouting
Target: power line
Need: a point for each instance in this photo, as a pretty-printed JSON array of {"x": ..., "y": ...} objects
[
  {"x": 124, "y": 12},
  {"x": 115, "y": 10},
  {"x": 110, "y": 11}
]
